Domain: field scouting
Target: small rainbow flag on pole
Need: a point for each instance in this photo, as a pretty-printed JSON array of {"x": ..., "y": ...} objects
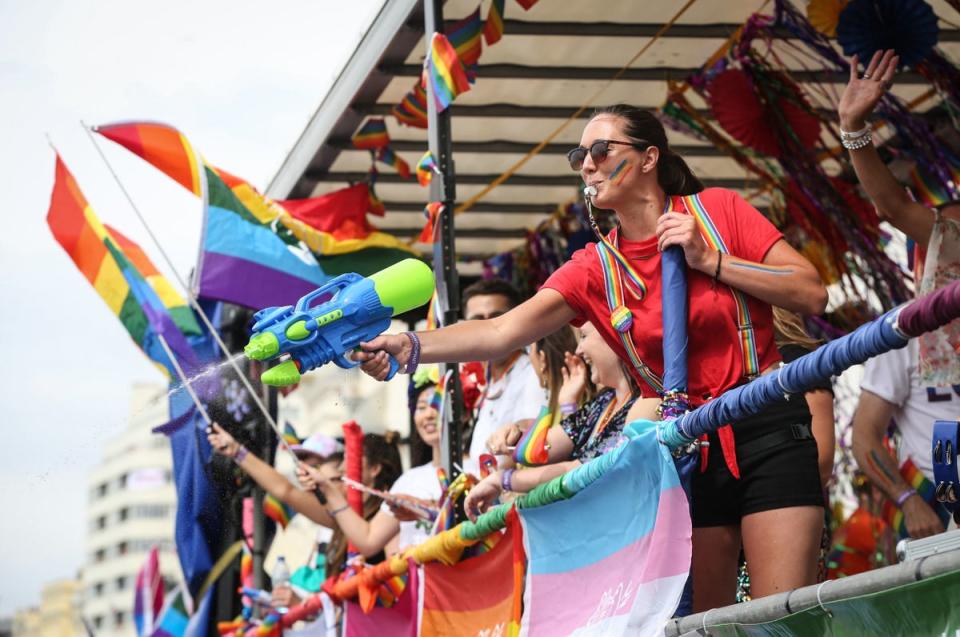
[
  {"x": 386, "y": 155},
  {"x": 412, "y": 110},
  {"x": 445, "y": 72},
  {"x": 372, "y": 135},
  {"x": 431, "y": 211},
  {"x": 493, "y": 27},
  {"x": 277, "y": 511},
  {"x": 425, "y": 168},
  {"x": 532, "y": 448},
  {"x": 290, "y": 435},
  {"x": 464, "y": 35}
]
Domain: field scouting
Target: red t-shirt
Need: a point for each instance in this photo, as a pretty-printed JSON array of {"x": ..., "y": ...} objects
[{"x": 715, "y": 363}]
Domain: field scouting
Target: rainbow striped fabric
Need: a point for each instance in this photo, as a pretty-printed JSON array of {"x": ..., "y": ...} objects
[
  {"x": 925, "y": 489},
  {"x": 278, "y": 511},
  {"x": 493, "y": 27},
  {"x": 445, "y": 72},
  {"x": 412, "y": 109},
  {"x": 426, "y": 167},
  {"x": 386, "y": 155},
  {"x": 929, "y": 190},
  {"x": 148, "y": 594},
  {"x": 372, "y": 135},
  {"x": 399, "y": 619},
  {"x": 464, "y": 35},
  {"x": 147, "y": 308},
  {"x": 532, "y": 449}
]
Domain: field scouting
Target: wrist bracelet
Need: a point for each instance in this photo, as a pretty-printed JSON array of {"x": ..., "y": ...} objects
[
  {"x": 906, "y": 495},
  {"x": 333, "y": 512},
  {"x": 414, "y": 359},
  {"x": 240, "y": 455},
  {"x": 851, "y": 135},
  {"x": 506, "y": 480},
  {"x": 857, "y": 143},
  {"x": 568, "y": 408}
]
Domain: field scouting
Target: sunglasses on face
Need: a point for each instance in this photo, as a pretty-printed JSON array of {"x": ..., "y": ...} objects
[{"x": 598, "y": 151}]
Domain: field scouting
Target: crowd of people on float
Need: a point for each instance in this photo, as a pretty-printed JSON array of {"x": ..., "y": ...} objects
[{"x": 758, "y": 495}]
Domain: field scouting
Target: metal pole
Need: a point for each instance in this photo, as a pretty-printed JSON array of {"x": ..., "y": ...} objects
[
  {"x": 266, "y": 452},
  {"x": 443, "y": 188}
]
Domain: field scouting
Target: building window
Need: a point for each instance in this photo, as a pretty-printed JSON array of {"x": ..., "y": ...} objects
[
  {"x": 121, "y": 583},
  {"x": 122, "y": 481},
  {"x": 101, "y": 490},
  {"x": 98, "y": 589},
  {"x": 122, "y": 548},
  {"x": 101, "y": 522},
  {"x": 118, "y": 618},
  {"x": 151, "y": 511},
  {"x": 123, "y": 514},
  {"x": 100, "y": 555},
  {"x": 98, "y": 621}
]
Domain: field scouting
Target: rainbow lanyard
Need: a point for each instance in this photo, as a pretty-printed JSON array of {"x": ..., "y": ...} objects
[
  {"x": 608, "y": 413},
  {"x": 612, "y": 263}
]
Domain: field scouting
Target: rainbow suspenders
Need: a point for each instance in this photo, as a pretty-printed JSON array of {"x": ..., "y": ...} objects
[{"x": 615, "y": 266}]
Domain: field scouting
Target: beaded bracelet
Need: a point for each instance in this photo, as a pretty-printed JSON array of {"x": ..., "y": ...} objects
[
  {"x": 568, "y": 408},
  {"x": 857, "y": 143},
  {"x": 414, "y": 359},
  {"x": 240, "y": 455},
  {"x": 857, "y": 134},
  {"x": 906, "y": 495},
  {"x": 506, "y": 481}
]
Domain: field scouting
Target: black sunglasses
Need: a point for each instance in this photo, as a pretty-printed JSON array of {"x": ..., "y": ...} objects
[{"x": 598, "y": 151}]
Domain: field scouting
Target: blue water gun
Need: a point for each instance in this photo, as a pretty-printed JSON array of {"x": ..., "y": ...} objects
[{"x": 335, "y": 318}]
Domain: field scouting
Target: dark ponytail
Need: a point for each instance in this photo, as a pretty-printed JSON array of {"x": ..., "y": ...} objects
[
  {"x": 640, "y": 125},
  {"x": 383, "y": 451}
]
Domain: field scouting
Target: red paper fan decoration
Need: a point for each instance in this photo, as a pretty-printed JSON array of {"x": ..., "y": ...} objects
[{"x": 740, "y": 112}]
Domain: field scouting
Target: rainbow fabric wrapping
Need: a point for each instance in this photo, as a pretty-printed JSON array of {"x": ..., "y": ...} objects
[
  {"x": 148, "y": 594},
  {"x": 532, "y": 449},
  {"x": 412, "y": 109},
  {"x": 493, "y": 27},
  {"x": 464, "y": 35},
  {"x": 372, "y": 135},
  {"x": 623, "y": 570},
  {"x": 426, "y": 167},
  {"x": 278, "y": 511},
  {"x": 146, "y": 309},
  {"x": 386, "y": 155},
  {"x": 925, "y": 489},
  {"x": 445, "y": 72},
  {"x": 748, "y": 341}
]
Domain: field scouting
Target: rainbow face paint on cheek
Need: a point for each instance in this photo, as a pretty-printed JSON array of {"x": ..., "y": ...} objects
[{"x": 620, "y": 172}]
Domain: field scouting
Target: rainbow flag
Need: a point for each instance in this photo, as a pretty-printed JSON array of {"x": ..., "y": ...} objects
[
  {"x": 493, "y": 27},
  {"x": 386, "y": 155},
  {"x": 478, "y": 596},
  {"x": 929, "y": 190},
  {"x": 146, "y": 310},
  {"x": 925, "y": 489},
  {"x": 290, "y": 435},
  {"x": 412, "y": 109},
  {"x": 374, "y": 205},
  {"x": 372, "y": 135},
  {"x": 464, "y": 35},
  {"x": 623, "y": 571},
  {"x": 365, "y": 251},
  {"x": 532, "y": 448},
  {"x": 278, "y": 511},
  {"x": 174, "y": 617},
  {"x": 148, "y": 594},
  {"x": 434, "y": 312},
  {"x": 426, "y": 167},
  {"x": 526, "y": 4},
  {"x": 436, "y": 401},
  {"x": 445, "y": 72}
]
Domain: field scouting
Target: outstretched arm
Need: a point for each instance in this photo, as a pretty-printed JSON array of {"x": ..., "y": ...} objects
[
  {"x": 543, "y": 314},
  {"x": 859, "y": 98},
  {"x": 271, "y": 480}
]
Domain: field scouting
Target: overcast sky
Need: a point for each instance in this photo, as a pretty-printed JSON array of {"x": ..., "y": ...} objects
[{"x": 240, "y": 79}]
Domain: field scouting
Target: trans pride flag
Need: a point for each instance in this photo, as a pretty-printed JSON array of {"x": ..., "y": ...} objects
[{"x": 600, "y": 566}]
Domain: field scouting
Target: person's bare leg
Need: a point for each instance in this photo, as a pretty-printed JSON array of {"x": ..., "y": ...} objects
[
  {"x": 781, "y": 547},
  {"x": 716, "y": 553}
]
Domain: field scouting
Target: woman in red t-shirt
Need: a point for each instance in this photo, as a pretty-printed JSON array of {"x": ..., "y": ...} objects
[{"x": 625, "y": 157}]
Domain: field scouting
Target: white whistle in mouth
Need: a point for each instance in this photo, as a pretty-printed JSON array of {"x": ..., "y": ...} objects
[{"x": 590, "y": 191}]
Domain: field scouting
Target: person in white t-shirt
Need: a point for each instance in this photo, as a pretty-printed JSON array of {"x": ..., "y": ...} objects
[
  {"x": 513, "y": 392},
  {"x": 892, "y": 389},
  {"x": 419, "y": 484}
]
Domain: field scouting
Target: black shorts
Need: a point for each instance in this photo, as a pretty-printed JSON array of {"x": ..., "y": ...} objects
[{"x": 777, "y": 457}]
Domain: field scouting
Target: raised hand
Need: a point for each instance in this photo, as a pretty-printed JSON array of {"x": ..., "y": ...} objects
[
  {"x": 861, "y": 94},
  {"x": 222, "y": 442},
  {"x": 575, "y": 375}
]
